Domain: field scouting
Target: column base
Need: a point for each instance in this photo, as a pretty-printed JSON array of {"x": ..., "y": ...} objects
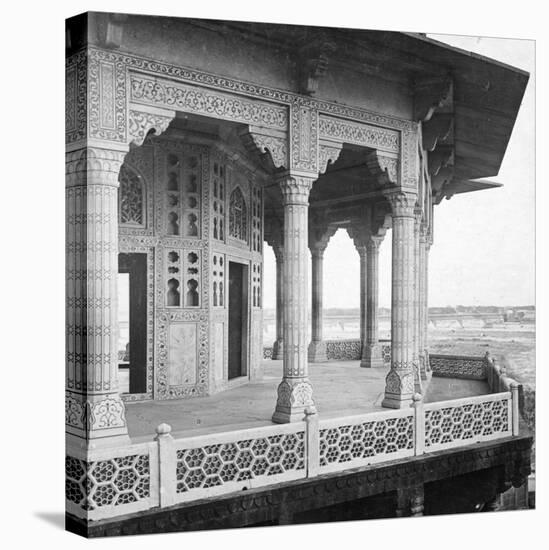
[
  {"x": 396, "y": 402},
  {"x": 294, "y": 397},
  {"x": 399, "y": 389},
  {"x": 317, "y": 352},
  {"x": 372, "y": 357},
  {"x": 78, "y": 445},
  {"x": 278, "y": 349}
]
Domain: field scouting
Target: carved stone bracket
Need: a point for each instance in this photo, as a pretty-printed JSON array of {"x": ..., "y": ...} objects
[
  {"x": 271, "y": 148},
  {"x": 384, "y": 168},
  {"x": 313, "y": 63},
  {"x": 141, "y": 123},
  {"x": 327, "y": 155},
  {"x": 320, "y": 233},
  {"x": 431, "y": 94},
  {"x": 437, "y": 130},
  {"x": 441, "y": 157}
]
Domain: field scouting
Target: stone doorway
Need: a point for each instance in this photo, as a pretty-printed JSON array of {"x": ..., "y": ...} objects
[
  {"x": 238, "y": 330},
  {"x": 134, "y": 266}
]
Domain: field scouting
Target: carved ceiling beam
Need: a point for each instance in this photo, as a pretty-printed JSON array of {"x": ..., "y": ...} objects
[
  {"x": 431, "y": 94},
  {"x": 313, "y": 59}
]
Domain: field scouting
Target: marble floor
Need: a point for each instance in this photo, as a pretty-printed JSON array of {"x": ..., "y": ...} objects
[{"x": 340, "y": 388}]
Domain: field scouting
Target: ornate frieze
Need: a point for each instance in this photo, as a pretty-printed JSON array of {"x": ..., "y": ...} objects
[
  {"x": 176, "y": 95},
  {"x": 359, "y": 133}
]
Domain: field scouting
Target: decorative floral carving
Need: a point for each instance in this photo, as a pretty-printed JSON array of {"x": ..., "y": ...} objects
[
  {"x": 76, "y": 98},
  {"x": 107, "y": 106},
  {"x": 294, "y": 393},
  {"x": 238, "y": 215},
  {"x": 131, "y": 198},
  {"x": 107, "y": 413},
  {"x": 304, "y": 135}
]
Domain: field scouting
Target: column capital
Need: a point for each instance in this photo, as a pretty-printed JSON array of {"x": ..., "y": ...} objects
[
  {"x": 295, "y": 189},
  {"x": 402, "y": 203},
  {"x": 374, "y": 242},
  {"x": 318, "y": 252},
  {"x": 93, "y": 166}
]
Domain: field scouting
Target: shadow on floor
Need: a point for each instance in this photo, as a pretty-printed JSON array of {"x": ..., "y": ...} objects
[{"x": 56, "y": 519}]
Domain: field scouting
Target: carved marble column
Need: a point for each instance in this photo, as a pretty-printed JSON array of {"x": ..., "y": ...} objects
[
  {"x": 417, "y": 277},
  {"x": 428, "y": 243},
  {"x": 371, "y": 349},
  {"x": 295, "y": 392},
  {"x": 399, "y": 383},
  {"x": 278, "y": 346},
  {"x": 94, "y": 411},
  {"x": 317, "y": 347},
  {"x": 363, "y": 255},
  {"x": 422, "y": 306}
]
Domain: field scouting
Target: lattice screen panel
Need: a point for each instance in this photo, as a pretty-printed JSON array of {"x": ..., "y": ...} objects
[
  {"x": 220, "y": 468},
  {"x": 463, "y": 424},
  {"x": 112, "y": 482},
  {"x": 366, "y": 442}
]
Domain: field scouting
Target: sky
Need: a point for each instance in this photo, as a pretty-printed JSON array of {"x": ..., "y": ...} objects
[{"x": 484, "y": 242}]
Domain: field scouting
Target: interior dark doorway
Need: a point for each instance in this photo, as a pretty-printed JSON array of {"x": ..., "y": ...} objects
[
  {"x": 238, "y": 319},
  {"x": 135, "y": 350}
]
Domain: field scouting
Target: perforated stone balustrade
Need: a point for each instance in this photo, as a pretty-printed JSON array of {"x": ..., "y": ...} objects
[{"x": 167, "y": 471}]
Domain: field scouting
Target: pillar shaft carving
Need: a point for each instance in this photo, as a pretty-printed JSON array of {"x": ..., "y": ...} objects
[
  {"x": 421, "y": 304},
  {"x": 417, "y": 300},
  {"x": 425, "y": 246},
  {"x": 399, "y": 386},
  {"x": 94, "y": 409},
  {"x": 317, "y": 347},
  {"x": 363, "y": 255},
  {"x": 278, "y": 346},
  {"x": 371, "y": 350},
  {"x": 295, "y": 390}
]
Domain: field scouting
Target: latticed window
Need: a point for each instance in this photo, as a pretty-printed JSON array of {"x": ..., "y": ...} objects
[
  {"x": 238, "y": 216},
  {"x": 131, "y": 201}
]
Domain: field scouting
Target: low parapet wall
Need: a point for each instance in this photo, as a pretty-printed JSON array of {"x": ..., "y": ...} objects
[{"x": 343, "y": 350}]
